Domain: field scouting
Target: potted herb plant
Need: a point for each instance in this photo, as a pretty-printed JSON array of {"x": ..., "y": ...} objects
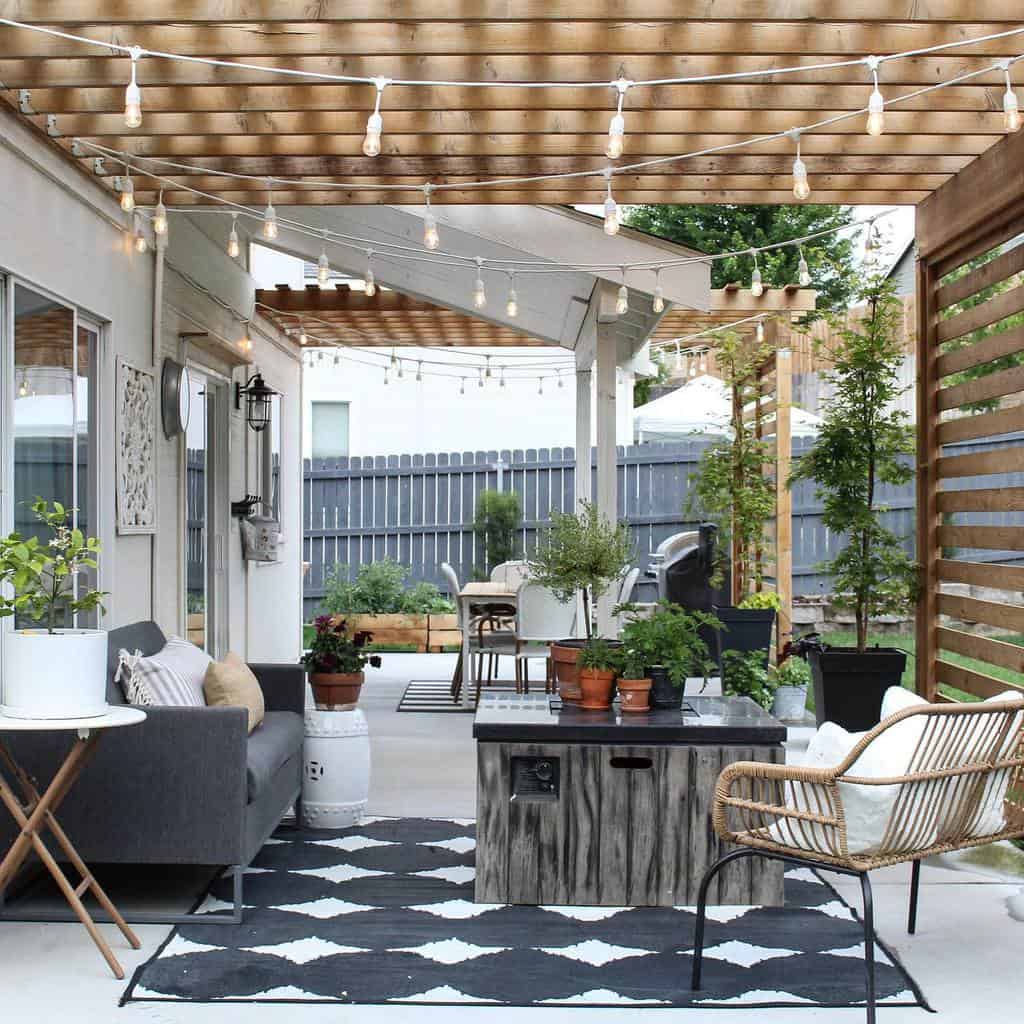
[
  {"x": 597, "y": 664},
  {"x": 579, "y": 555},
  {"x": 670, "y": 644},
  {"x": 634, "y": 684},
  {"x": 734, "y": 489},
  {"x": 792, "y": 677},
  {"x": 863, "y": 442},
  {"x": 53, "y": 671},
  {"x": 745, "y": 674},
  {"x": 335, "y": 662}
]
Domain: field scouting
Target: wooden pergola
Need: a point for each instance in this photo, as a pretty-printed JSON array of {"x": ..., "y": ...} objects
[{"x": 944, "y": 150}]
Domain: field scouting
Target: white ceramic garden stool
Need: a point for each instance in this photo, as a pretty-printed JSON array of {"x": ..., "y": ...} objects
[{"x": 336, "y": 779}]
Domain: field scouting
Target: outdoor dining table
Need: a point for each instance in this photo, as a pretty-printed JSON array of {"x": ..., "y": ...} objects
[{"x": 472, "y": 598}]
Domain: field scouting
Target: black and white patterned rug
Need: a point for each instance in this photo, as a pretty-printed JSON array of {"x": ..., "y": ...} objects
[
  {"x": 383, "y": 913},
  {"x": 435, "y": 696}
]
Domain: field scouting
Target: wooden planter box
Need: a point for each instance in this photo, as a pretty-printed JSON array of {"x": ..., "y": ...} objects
[{"x": 427, "y": 632}]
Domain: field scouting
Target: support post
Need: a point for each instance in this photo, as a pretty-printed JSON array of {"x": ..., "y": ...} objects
[
  {"x": 584, "y": 441},
  {"x": 607, "y": 455},
  {"x": 783, "y": 495}
]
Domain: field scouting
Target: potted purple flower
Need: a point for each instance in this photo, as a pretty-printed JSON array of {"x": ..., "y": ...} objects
[{"x": 335, "y": 663}]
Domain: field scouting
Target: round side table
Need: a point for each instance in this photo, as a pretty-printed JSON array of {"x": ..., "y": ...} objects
[
  {"x": 35, "y": 814},
  {"x": 336, "y": 780}
]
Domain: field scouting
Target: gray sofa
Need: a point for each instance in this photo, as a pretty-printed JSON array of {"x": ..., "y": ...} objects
[{"x": 188, "y": 786}]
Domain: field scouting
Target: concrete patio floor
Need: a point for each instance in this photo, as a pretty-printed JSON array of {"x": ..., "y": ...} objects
[{"x": 965, "y": 956}]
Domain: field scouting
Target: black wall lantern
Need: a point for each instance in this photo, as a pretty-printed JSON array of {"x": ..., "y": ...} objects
[{"x": 257, "y": 401}]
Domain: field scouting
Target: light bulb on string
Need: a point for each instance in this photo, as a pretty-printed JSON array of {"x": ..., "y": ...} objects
[
  {"x": 703, "y": 360},
  {"x": 479, "y": 376},
  {"x": 234, "y": 249},
  {"x": 431, "y": 236},
  {"x": 617, "y": 125},
  {"x": 802, "y": 270},
  {"x": 540, "y": 385},
  {"x": 512, "y": 301},
  {"x": 303, "y": 337},
  {"x": 558, "y": 377},
  {"x": 337, "y": 359},
  {"x": 759, "y": 333},
  {"x": 419, "y": 371},
  {"x": 160, "y": 216},
  {"x": 401, "y": 372},
  {"x": 658, "y": 303},
  {"x": 679, "y": 357},
  {"x": 23, "y": 386},
  {"x": 501, "y": 378},
  {"x": 756, "y": 284},
  {"x": 693, "y": 366},
  {"x": 1011, "y": 108},
  {"x": 487, "y": 367},
  {"x": 127, "y": 192},
  {"x": 270, "y": 217},
  {"x": 245, "y": 342},
  {"x": 375, "y": 123},
  {"x": 394, "y": 358},
  {"x": 479, "y": 293},
  {"x": 133, "y": 94},
  {"x": 623, "y": 298},
  {"x": 870, "y": 242},
  {"x": 323, "y": 265},
  {"x": 369, "y": 281},
  {"x": 801, "y": 187},
  {"x": 386, "y": 379},
  {"x": 611, "y": 208},
  {"x": 319, "y": 355},
  {"x": 876, "y": 102},
  {"x": 462, "y": 385},
  {"x": 138, "y": 237}
]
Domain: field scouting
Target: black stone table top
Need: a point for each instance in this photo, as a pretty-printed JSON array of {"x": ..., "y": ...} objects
[{"x": 540, "y": 718}]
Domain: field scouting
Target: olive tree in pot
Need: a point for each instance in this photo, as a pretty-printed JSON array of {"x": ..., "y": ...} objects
[
  {"x": 335, "y": 662},
  {"x": 863, "y": 442},
  {"x": 52, "y": 671},
  {"x": 579, "y": 555},
  {"x": 734, "y": 489},
  {"x": 669, "y": 643}
]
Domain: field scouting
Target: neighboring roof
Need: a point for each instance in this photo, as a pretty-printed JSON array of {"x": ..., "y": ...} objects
[{"x": 702, "y": 406}]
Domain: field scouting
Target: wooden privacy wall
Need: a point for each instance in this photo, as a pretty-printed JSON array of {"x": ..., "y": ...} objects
[{"x": 971, "y": 387}]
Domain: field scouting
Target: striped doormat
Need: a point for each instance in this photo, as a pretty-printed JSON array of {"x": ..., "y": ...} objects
[{"x": 434, "y": 696}]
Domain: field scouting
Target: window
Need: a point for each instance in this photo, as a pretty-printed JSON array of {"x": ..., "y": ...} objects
[{"x": 330, "y": 430}]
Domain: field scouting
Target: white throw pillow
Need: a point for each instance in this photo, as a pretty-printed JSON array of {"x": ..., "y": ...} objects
[{"x": 173, "y": 677}]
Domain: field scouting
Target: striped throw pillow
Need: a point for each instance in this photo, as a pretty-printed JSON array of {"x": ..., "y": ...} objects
[{"x": 173, "y": 677}]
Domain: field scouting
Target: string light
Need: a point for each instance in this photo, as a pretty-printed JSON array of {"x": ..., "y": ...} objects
[
  {"x": 693, "y": 367},
  {"x": 323, "y": 265},
  {"x": 245, "y": 342},
  {"x": 501, "y": 378},
  {"x": 23, "y": 386},
  {"x": 386, "y": 379},
  {"x": 617, "y": 125},
  {"x": 401, "y": 371},
  {"x": 756, "y": 284},
  {"x": 394, "y": 358},
  {"x": 759, "y": 334},
  {"x": 1011, "y": 109},
  {"x": 658, "y": 303},
  {"x": 270, "y": 217},
  {"x": 512, "y": 301},
  {"x": 375, "y": 123},
  {"x": 160, "y": 216},
  {"x": 703, "y": 360},
  {"x": 801, "y": 187},
  {"x": 622, "y": 298},
  {"x": 558, "y": 377},
  {"x": 138, "y": 238},
  {"x": 234, "y": 249},
  {"x": 127, "y": 192},
  {"x": 303, "y": 337},
  {"x": 480, "y": 377},
  {"x": 540, "y": 385},
  {"x": 487, "y": 369},
  {"x": 802, "y": 270},
  {"x": 611, "y": 208},
  {"x": 870, "y": 242},
  {"x": 431, "y": 236},
  {"x": 462, "y": 385},
  {"x": 876, "y": 102},
  {"x": 369, "y": 281},
  {"x": 479, "y": 294},
  {"x": 679, "y": 358},
  {"x": 337, "y": 359},
  {"x": 133, "y": 94},
  {"x": 419, "y": 372}
]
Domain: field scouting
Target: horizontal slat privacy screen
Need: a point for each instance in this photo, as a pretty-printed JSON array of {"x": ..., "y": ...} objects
[{"x": 971, "y": 387}]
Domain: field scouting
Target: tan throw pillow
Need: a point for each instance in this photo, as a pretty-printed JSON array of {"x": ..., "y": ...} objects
[{"x": 231, "y": 683}]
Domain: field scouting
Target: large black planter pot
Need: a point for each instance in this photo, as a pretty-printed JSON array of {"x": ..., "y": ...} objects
[
  {"x": 746, "y": 629},
  {"x": 663, "y": 693},
  {"x": 848, "y": 687}
]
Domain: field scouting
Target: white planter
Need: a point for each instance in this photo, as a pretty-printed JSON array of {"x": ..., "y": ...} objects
[
  {"x": 790, "y": 702},
  {"x": 336, "y": 780},
  {"x": 55, "y": 675}
]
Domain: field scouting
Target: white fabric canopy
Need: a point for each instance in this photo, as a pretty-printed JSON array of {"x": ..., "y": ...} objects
[{"x": 701, "y": 406}]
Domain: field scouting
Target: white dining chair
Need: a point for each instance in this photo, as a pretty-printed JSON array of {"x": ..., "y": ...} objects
[
  {"x": 512, "y": 574},
  {"x": 540, "y": 619}
]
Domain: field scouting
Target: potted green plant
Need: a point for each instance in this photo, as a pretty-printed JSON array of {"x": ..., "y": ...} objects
[
  {"x": 863, "y": 442},
  {"x": 792, "y": 677},
  {"x": 733, "y": 488},
  {"x": 53, "y": 671},
  {"x": 579, "y": 555},
  {"x": 670, "y": 644},
  {"x": 335, "y": 662},
  {"x": 745, "y": 674},
  {"x": 634, "y": 684},
  {"x": 598, "y": 666}
]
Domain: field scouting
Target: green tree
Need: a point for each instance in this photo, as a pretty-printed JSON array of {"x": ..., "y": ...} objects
[
  {"x": 728, "y": 228},
  {"x": 497, "y": 517}
]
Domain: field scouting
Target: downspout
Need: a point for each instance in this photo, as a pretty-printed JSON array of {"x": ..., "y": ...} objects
[{"x": 160, "y": 246}]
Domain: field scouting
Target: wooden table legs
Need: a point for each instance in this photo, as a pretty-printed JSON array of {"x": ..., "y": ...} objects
[{"x": 36, "y": 815}]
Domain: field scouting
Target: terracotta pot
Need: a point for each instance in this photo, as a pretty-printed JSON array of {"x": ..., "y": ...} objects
[
  {"x": 634, "y": 694},
  {"x": 336, "y": 691},
  {"x": 598, "y": 686},
  {"x": 564, "y": 657}
]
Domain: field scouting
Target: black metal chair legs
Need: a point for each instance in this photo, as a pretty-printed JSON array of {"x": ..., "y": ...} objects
[
  {"x": 869, "y": 924},
  {"x": 915, "y": 882}
]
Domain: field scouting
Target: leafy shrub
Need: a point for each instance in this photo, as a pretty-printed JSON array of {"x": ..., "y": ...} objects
[
  {"x": 793, "y": 672},
  {"x": 598, "y": 654},
  {"x": 744, "y": 675},
  {"x": 671, "y": 637},
  {"x": 380, "y": 589},
  {"x": 762, "y": 599},
  {"x": 497, "y": 516}
]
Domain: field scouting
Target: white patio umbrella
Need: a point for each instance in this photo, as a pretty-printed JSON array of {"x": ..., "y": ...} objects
[{"x": 702, "y": 406}]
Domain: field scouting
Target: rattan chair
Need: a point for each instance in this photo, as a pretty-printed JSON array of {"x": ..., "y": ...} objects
[{"x": 966, "y": 757}]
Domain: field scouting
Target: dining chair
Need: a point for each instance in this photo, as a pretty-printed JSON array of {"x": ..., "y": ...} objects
[
  {"x": 512, "y": 573},
  {"x": 540, "y": 619}
]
